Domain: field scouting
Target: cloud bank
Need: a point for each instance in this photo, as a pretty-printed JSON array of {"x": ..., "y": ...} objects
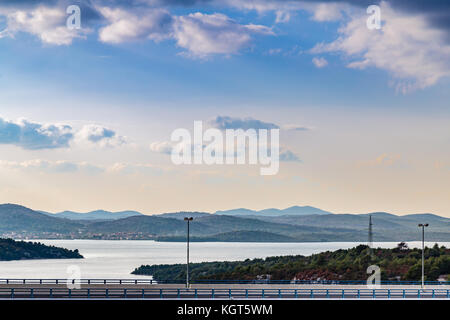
[
  {"x": 46, "y": 166},
  {"x": 32, "y": 135},
  {"x": 35, "y": 136},
  {"x": 47, "y": 23},
  {"x": 199, "y": 34},
  {"x": 413, "y": 45},
  {"x": 415, "y": 54}
]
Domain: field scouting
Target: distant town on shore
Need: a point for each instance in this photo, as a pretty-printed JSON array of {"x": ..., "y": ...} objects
[{"x": 294, "y": 224}]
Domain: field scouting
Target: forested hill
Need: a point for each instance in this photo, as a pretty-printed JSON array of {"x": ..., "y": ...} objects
[
  {"x": 22, "y": 250},
  {"x": 400, "y": 263}
]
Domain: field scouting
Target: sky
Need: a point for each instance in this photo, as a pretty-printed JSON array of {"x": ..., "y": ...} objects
[{"x": 86, "y": 115}]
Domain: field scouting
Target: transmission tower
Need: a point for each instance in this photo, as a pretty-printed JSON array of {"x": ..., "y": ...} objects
[{"x": 370, "y": 240}]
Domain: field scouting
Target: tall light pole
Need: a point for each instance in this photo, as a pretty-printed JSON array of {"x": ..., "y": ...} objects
[
  {"x": 423, "y": 225},
  {"x": 187, "y": 219}
]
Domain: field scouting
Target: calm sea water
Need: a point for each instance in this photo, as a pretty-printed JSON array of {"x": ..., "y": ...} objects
[{"x": 106, "y": 259}]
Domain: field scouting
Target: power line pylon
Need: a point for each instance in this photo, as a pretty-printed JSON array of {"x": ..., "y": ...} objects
[{"x": 370, "y": 240}]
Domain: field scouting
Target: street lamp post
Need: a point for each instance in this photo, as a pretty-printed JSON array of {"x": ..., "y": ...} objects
[
  {"x": 423, "y": 225},
  {"x": 187, "y": 219}
]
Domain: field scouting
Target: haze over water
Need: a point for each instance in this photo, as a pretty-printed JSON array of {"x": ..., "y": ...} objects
[{"x": 107, "y": 259}]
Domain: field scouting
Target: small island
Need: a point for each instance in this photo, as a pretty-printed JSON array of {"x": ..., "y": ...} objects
[
  {"x": 23, "y": 250},
  {"x": 397, "y": 264}
]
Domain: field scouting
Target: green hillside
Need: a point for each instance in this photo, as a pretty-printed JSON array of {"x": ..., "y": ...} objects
[
  {"x": 15, "y": 218},
  {"x": 22, "y": 250},
  {"x": 400, "y": 263}
]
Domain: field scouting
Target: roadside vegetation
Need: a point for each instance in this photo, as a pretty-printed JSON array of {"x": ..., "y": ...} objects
[{"x": 400, "y": 263}]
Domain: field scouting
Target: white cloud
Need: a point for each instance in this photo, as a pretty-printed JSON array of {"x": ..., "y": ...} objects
[
  {"x": 200, "y": 34},
  {"x": 134, "y": 168},
  {"x": 226, "y": 122},
  {"x": 32, "y": 135},
  {"x": 49, "y": 24},
  {"x": 413, "y": 52},
  {"x": 321, "y": 11},
  {"x": 164, "y": 147},
  {"x": 35, "y": 136},
  {"x": 125, "y": 25},
  {"x": 41, "y": 166},
  {"x": 45, "y": 166},
  {"x": 327, "y": 11},
  {"x": 99, "y": 135},
  {"x": 206, "y": 34},
  {"x": 320, "y": 62}
]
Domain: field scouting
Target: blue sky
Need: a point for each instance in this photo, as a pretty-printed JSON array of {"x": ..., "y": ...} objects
[{"x": 375, "y": 103}]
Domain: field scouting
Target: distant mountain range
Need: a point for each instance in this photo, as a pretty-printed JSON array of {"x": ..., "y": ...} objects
[
  {"x": 93, "y": 215},
  {"x": 108, "y": 215},
  {"x": 295, "y": 210},
  {"x": 274, "y": 225}
]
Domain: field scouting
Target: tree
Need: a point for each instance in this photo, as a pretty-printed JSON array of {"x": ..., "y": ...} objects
[{"x": 415, "y": 272}]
